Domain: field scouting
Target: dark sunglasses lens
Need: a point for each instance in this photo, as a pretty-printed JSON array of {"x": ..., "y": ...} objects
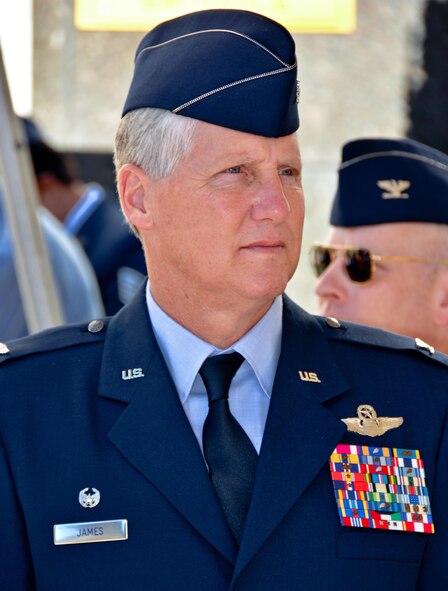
[
  {"x": 320, "y": 259},
  {"x": 359, "y": 265}
]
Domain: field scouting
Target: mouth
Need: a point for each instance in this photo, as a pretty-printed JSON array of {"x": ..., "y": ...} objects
[{"x": 265, "y": 246}]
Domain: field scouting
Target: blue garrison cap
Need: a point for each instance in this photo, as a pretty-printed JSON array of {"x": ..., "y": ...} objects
[
  {"x": 390, "y": 180},
  {"x": 232, "y": 68}
]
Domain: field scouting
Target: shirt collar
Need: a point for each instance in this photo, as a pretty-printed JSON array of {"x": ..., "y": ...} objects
[{"x": 184, "y": 352}]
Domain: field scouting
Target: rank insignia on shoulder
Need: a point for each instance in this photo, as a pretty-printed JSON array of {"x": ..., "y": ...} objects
[
  {"x": 381, "y": 488},
  {"x": 422, "y": 345},
  {"x": 368, "y": 423},
  {"x": 4, "y": 349}
]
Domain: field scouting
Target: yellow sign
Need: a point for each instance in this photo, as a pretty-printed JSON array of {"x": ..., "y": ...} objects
[{"x": 299, "y": 16}]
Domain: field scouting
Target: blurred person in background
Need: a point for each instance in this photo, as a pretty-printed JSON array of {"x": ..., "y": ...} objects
[
  {"x": 96, "y": 220},
  {"x": 75, "y": 281},
  {"x": 386, "y": 260}
]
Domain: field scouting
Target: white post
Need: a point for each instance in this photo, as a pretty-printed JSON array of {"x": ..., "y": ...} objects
[{"x": 34, "y": 274}]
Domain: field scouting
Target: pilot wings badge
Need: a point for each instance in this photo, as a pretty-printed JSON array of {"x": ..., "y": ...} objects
[
  {"x": 394, "y": 189},
  {"x": 368, "y": 423}
]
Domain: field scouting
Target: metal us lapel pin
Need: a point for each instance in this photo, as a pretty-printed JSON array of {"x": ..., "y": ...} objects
[
  {"x": 368, "y": 423},
  {"x": 309, "y": 376},
  {"x": 131, "y": 374}
]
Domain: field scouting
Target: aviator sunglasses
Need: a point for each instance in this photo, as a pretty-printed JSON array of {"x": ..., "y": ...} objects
[{"x": 359, "y": 263}]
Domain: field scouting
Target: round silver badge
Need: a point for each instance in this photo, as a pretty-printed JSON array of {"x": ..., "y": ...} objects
[{"x": 89, "y": 497}]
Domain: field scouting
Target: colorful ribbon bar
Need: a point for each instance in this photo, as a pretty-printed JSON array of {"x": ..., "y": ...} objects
[{"x": 381, "y": 488}]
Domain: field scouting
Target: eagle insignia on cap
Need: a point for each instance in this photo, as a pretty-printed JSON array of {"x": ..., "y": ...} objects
[
  {"x": 369, "y": 423},
  {"x": 394, "y": 189}
]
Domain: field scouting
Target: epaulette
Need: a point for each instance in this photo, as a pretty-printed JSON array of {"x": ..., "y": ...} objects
[
  {"x": 376, "y": 337},
  {"x": 54, "y": 339}
]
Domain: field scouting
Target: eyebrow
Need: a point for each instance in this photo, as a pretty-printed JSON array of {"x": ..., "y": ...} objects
[{"x": 245, "y": 158}]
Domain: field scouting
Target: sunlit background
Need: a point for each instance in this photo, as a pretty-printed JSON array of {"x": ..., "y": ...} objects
[{"x": 69, "y": 64}]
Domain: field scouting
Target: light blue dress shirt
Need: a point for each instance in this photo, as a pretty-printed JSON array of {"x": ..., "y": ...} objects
[{"x": 251, "y": 388}]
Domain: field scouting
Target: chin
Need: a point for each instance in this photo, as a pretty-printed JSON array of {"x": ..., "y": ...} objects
[{"x": 265, "y": 290}]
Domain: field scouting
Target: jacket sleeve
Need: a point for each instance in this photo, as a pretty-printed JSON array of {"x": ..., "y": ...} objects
[
  {"x": 16, "y": 569},
  {"x": 434, "y": 571}
]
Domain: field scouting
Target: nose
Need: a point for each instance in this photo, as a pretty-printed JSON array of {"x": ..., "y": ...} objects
[
  {"x": 331, "y": 285},
  {"x": 270, "y": 202}
]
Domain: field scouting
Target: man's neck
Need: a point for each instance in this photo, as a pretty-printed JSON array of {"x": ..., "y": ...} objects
[{"x": 220, "y": 325}]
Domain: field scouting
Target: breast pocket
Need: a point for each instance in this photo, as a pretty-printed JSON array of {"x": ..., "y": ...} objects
[{"x": 368, "y": 544}]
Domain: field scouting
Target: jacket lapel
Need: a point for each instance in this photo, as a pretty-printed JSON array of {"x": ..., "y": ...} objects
[
  {"x": 300, "y": 433},
  {"x": 153, "y": 433},
  {"x": 299, "y": 437}
]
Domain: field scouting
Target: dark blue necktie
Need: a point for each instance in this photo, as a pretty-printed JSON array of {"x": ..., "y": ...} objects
[{"x": 228, "y": 451}]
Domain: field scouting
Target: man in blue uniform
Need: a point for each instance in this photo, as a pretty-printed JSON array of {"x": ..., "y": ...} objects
[
  {"x": 386, "y": 261},
  {"x": 212, "y": 434},
  {"x": 94, "y": 218}
]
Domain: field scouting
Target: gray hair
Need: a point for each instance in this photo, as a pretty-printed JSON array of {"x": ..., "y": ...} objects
[{"x": 154, "y": 139}]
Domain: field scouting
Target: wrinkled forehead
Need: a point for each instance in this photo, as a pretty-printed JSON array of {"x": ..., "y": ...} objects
[{"x": 213, "y": 143}]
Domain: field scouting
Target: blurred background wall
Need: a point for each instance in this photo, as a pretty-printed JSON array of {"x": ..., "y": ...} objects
[{"x": 353, "y": 85}]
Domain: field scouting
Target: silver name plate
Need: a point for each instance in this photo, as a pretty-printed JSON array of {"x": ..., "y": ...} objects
[{"x": 90, "y": 531}]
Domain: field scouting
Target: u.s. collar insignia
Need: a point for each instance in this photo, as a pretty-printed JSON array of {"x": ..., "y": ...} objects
[
  {"x": 89, "y": 497},
  {"x": 368, "y": 423}
]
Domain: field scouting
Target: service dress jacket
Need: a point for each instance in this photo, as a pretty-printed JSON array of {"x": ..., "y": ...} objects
[{"x": 94, "y": 407}]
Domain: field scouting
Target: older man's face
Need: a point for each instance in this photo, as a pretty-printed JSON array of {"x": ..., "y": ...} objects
[
  {"x": 401, "y": 296},
  {"x": 227, "y": 225}
]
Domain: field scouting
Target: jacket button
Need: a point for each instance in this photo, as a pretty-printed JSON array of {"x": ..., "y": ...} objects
[
  {"x": 333, "y": 322},
  {"x": 95, "y": 326}
]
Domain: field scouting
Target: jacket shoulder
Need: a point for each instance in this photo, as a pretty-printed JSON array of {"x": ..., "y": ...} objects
[
  {"x": 54, "y": 339},
  {"x": 358, "y": 334}
]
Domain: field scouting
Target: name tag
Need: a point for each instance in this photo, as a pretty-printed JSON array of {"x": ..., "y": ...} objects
[{"x": 90, "y": 531}]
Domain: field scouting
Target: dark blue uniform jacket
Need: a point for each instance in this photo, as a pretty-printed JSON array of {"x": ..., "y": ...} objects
[{"x": 69, "y": 420}]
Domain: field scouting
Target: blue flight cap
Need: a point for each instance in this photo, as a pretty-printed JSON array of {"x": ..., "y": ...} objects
[
  {"x": 390, "y": 180},
  {"x": 232, "y": 68}
]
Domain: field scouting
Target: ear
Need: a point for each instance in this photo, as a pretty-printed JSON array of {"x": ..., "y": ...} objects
[
  {"x": 442, "y": 298},
  {"x": 133, "y": 187}
]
